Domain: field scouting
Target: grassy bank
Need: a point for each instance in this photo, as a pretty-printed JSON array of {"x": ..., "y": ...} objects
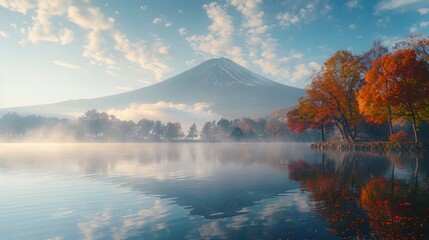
[{"x": 371, "y": 146}]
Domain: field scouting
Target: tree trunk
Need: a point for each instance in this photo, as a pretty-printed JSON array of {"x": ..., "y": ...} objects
[
  {"x": 322, "y": 133},
  {"x": 339, "y": 128},
  {"x": 413, "y": 118},
  {"x": 347, "y": 130},
  {"x": 389, "y": 112},
  {"x": 392, "y": 189}
]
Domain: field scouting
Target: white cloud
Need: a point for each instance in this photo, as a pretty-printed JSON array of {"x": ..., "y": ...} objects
[
  {"x": 236, "y": 54},
  {"x": 424, "y": 24},
  {"x": 160, "y": 20},
  {"x": 286, "y": 19},
  {"x": 269, "y": 61},
  {"x": 423, "y": 11},
  {"x": 89, "y": 19},
  {"x": 139, "y": 53},
  {"x": 99, "y": 32},
  {"x": 43, "y": 28},
  {"x": 353, "y": 3},
  {"x": 303, "y": 12},
  {"x": 93, "y": 20},
  {"x": 21, "y": 6},
  {"x": 93, "y": 49},
  {"x": 66, "y": 65},
  {"x": 352, "y": 26},
  {"x": 182, "y": 31},
  {"x": 302, "y": 72},
  {"x": 263, "y": 49},
  {"x": 157, "y": 20},
  {"x": 219, "y": 40},
  {"x": 389, "y": 5},
  {"x": 162, "y": 49},
  {"x": 167, "y": 111},
  {"x": 314, "y": 65},
  {"x": 390, "y": 41},
  {"x": 219, "y": 37},
  {"x": 383, "y": 22},
  {"x": 416, "y": 27},
  {"x": 4, "y": 34}
]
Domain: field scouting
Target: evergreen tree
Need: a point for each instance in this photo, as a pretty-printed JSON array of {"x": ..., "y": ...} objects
[{"x": 193, "y": 131}]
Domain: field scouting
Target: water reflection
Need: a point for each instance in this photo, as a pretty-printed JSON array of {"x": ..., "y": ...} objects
[
  {"x": 210, "y": 191},
  {"x": 359, "y": 195}
]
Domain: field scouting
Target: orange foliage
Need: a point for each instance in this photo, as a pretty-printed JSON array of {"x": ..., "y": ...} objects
[
  {"x": 333, "y": 88},
  {"x": 398, "y": 82},
  {"x": 372, "y": 96},
  {"x": 399, "y": 137}
]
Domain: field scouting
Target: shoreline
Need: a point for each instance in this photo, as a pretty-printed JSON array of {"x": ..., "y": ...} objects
[{"x": 372, "y": 146}]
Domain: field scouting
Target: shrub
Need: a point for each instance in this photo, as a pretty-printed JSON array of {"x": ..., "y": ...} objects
[{"x": 400, "y": 136}]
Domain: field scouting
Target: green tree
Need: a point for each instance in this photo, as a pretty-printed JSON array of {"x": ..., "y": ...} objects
[
  {"x": 173, "y": 131},
  {"x": 96, "y": 123},
  {"x": 237, "y": 133},
  {"x": 144, "y": 129},
  {"x": 209, "y": 130},
  {"x": 192, "y": 132},
  {"x": 158, "y": 130}
]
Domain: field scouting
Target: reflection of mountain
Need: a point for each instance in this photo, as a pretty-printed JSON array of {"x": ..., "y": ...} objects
[
  {"x": 234, "y": 180},
  {"x": 230, "y": 89},
  {"x": 226, "y": 195},
  {"x": 212, "y": 180},
  {"x": 232, "y": 191}
]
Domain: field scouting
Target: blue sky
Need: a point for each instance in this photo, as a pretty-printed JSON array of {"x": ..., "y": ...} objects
[{"x": 54, "y": 50}]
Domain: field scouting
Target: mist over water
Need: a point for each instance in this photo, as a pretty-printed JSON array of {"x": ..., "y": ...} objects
[{"x": 202, "y": 191}]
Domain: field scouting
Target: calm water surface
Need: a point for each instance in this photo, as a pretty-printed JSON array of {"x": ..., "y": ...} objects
[{"x": 210, "y": 191}]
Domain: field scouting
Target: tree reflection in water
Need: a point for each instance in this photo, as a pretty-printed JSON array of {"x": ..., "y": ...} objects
[{"x": 358, "y": 197}]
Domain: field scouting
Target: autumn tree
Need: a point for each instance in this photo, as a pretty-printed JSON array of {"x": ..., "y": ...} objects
[
  {"x": 377, "y": 51},
  {"x": 373, "y": 95},
  {"x": 309, "y": 115},
  {"x": 419, "y": 44},
  {"x": 277, "y": 128},
  {"x": 334, "y": 87},
  {"x": 397, "y": 88}
]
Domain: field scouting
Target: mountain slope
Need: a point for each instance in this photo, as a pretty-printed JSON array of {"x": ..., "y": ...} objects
[{"x": 230, "y": 89}]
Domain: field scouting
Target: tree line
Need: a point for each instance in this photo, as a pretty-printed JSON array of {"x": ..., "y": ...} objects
[
  {"x": 99, "y": 126},
  {"x": 357, "y": 93}
]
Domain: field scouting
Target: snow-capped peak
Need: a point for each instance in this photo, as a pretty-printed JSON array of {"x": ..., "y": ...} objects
[{"x": 222, "y": 72}]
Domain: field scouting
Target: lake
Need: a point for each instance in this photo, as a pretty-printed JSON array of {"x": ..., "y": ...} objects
[{"x": 210, "y": 191}]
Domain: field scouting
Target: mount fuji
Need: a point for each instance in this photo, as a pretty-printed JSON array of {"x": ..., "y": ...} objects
[{"x": 228, "y": 88}]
